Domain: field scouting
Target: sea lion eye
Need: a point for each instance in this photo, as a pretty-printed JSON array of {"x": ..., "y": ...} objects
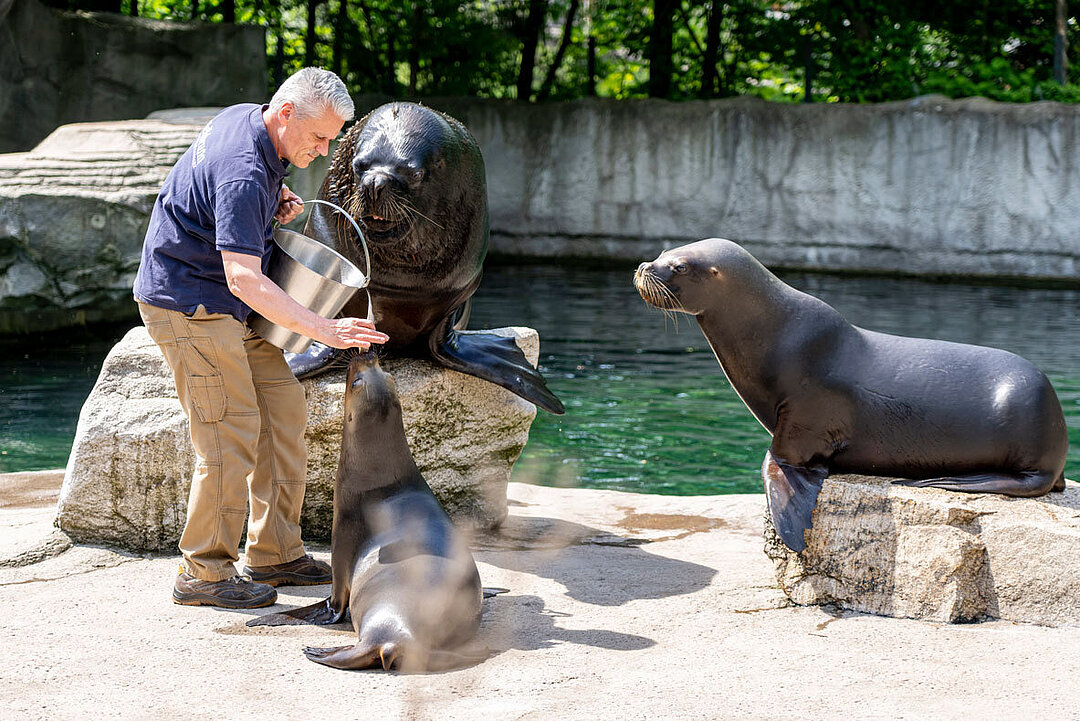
[
  {"x": 680, "y": 268},
  {"x": 417, "y": 175}
]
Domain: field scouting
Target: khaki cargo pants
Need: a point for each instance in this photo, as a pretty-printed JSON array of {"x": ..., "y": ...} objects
[{"x": 247, "y": 415}]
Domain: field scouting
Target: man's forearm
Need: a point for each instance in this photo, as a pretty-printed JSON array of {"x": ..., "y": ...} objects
[{"x": 248, "y": 283}]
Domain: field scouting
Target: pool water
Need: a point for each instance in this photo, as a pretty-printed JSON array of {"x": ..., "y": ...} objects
[{"x": 648, "y": 407}]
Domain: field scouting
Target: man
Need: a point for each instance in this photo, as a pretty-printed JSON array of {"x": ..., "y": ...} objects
[{"x": 202, "y": 272}]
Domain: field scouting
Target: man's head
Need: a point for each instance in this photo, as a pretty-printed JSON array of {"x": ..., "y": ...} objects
[{"x": 306, "y": 113}]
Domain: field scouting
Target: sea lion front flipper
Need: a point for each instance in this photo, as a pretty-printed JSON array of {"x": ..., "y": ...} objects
[
  {"x": 318, "y": 358},
  {"x": 317, "y": 614},
  {"x": 491, "y": 591},
  {"x": 492, "y": 358},
  {"x": 792, "y": 493},
  {"x": 1026, "y": 485}
]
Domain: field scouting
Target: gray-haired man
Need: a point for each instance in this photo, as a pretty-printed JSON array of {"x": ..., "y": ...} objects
[{"x": 203, "y": 271}]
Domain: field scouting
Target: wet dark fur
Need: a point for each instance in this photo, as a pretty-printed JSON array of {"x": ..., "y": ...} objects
[
  {"x": 414, "y": 179},
  {"x": 401, "y": 570}
]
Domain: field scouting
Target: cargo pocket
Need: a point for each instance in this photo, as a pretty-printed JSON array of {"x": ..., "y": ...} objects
[{"x": 204, "y": 381}]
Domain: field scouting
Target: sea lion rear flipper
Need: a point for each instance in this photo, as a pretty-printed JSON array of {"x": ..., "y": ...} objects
[
  {"x": 317, "y": 614},
  {"x": 318, "y": 358},
  {"x": 792, "y": 493},
  {"x": 347, "y": 657},
  {"x": 493, "y": 358},
  {"x": 1032, "y": 483},
  {"x": 391, "y": 655}
]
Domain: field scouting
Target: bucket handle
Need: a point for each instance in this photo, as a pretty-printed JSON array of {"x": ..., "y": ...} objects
[{"x": 359, "y": 233}]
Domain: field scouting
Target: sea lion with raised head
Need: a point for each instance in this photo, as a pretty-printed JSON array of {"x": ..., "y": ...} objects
[
  {"x": 414, "y": 179},
  {"x": 401, "y": 569},
  {"x": 841, "y": 399}
]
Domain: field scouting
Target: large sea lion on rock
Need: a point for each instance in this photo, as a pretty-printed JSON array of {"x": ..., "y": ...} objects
[
  {"x": 841, "y": 399},
  {"x": 401, "y": 569},
  {"x": 414, "y": 179}
]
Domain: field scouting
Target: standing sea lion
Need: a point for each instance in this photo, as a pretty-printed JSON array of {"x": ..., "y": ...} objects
[
  {"x": 401, "y": 569},
  {"x": 414, "y": 179},
  {"x": 837, "y": 398}
]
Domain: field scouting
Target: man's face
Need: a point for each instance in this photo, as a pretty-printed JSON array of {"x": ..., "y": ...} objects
[{"x": 304, "y": 139}]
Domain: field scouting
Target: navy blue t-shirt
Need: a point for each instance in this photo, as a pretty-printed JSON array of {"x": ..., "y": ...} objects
[{"x": 221, "y": 195}]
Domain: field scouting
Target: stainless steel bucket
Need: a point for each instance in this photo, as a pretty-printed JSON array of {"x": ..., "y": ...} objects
[{"x": 315, "y": 276}]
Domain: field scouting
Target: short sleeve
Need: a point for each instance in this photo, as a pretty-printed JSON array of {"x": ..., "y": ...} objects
[{"x": 239, "y": 213}]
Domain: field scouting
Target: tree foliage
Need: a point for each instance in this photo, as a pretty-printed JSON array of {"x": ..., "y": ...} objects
[{"x": 784, "y": 50}]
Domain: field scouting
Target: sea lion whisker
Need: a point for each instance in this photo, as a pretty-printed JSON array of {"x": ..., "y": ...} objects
[{"x": 437, "y": 225}]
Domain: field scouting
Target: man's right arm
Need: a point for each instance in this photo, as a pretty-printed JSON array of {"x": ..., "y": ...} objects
[{"x": 248, "y": 283}]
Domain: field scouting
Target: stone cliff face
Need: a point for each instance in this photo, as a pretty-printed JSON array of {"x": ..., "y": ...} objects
[
  {"x": 64, "y": 67},
  {"x": 73, "y": 213}
]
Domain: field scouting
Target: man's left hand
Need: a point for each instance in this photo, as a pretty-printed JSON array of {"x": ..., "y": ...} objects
[{"x": 291, "y": 205}]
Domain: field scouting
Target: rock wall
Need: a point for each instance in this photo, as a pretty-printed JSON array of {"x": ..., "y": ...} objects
[
  {"x": 927, "y": 186},
  {"x": 62, "y": 67},
  {"x": 73, "y": 213}
]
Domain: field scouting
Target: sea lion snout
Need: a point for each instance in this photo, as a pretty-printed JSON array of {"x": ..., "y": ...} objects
[
  {"x": 363, "y": 369},
  {"x": 651, "y": 281}
]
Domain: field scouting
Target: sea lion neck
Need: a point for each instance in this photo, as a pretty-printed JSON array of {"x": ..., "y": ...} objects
[
  {"x": 758, "y": 319},
  {"x": 375, "y": 453}
]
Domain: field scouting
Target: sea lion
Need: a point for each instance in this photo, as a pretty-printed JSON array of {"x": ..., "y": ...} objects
[
  {"x": 841, "y": 399},
  {"x": 414, "y": 179},
  {"x": 401, "y": 569}
]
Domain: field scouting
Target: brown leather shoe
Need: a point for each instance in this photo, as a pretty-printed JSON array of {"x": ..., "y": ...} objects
[
  {"x": 304, "y": 571},
  {"x": 235, "y": 592}
]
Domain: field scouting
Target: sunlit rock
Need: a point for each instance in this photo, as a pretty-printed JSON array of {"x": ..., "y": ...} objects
[
  {"x": 129, "y": 472},
  {"x": 937, "y": 555}
]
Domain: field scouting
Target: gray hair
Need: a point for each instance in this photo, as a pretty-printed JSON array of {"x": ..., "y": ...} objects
[{"x": 312, "y": 91}]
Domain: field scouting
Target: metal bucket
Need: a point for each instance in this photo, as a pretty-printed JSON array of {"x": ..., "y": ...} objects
[{"x": 315, "y": 276}]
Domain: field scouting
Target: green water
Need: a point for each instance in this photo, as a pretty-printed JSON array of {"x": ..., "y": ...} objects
[{"x": 648, "y": 408}]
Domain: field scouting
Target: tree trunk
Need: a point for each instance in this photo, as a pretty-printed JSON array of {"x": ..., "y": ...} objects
[
  {"x": 309, "y": 36},
  {"x": 378, "y": 73},
  {"x": 134, "y": 10},
  {"x": 1061, "y": 61},
  {"x": 279, "y": 47},
  {"x": 590, "y": 53},
  {"x": 808, "y": 69},
  {"x": 228, "y": 10},
  {"x": 590, "y": 68},
  {"x": 660, "y": 48},
  {"x": 340, "y": 21},
  {"x": 568, "y": 28},
  {"x": 102, "y": 6},
  {"x": 390, "y": 82},
  {"x": 194, "y": 9},
  {"x": 417, "y": 32},
  {"x": 710, "y": 76},
  {"x": 530, "y": 40}
]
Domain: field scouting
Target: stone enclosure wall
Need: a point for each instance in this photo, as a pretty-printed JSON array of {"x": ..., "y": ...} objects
[{"x": 929, "y": 186}]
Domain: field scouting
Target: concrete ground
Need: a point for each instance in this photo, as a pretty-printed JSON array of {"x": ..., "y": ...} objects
[{"x": 621, "y": 606}]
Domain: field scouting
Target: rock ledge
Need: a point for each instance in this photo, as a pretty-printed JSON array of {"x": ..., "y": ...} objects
[
  {"x": 128, "y": 475},
  {"x": 937, "y": 555}
]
